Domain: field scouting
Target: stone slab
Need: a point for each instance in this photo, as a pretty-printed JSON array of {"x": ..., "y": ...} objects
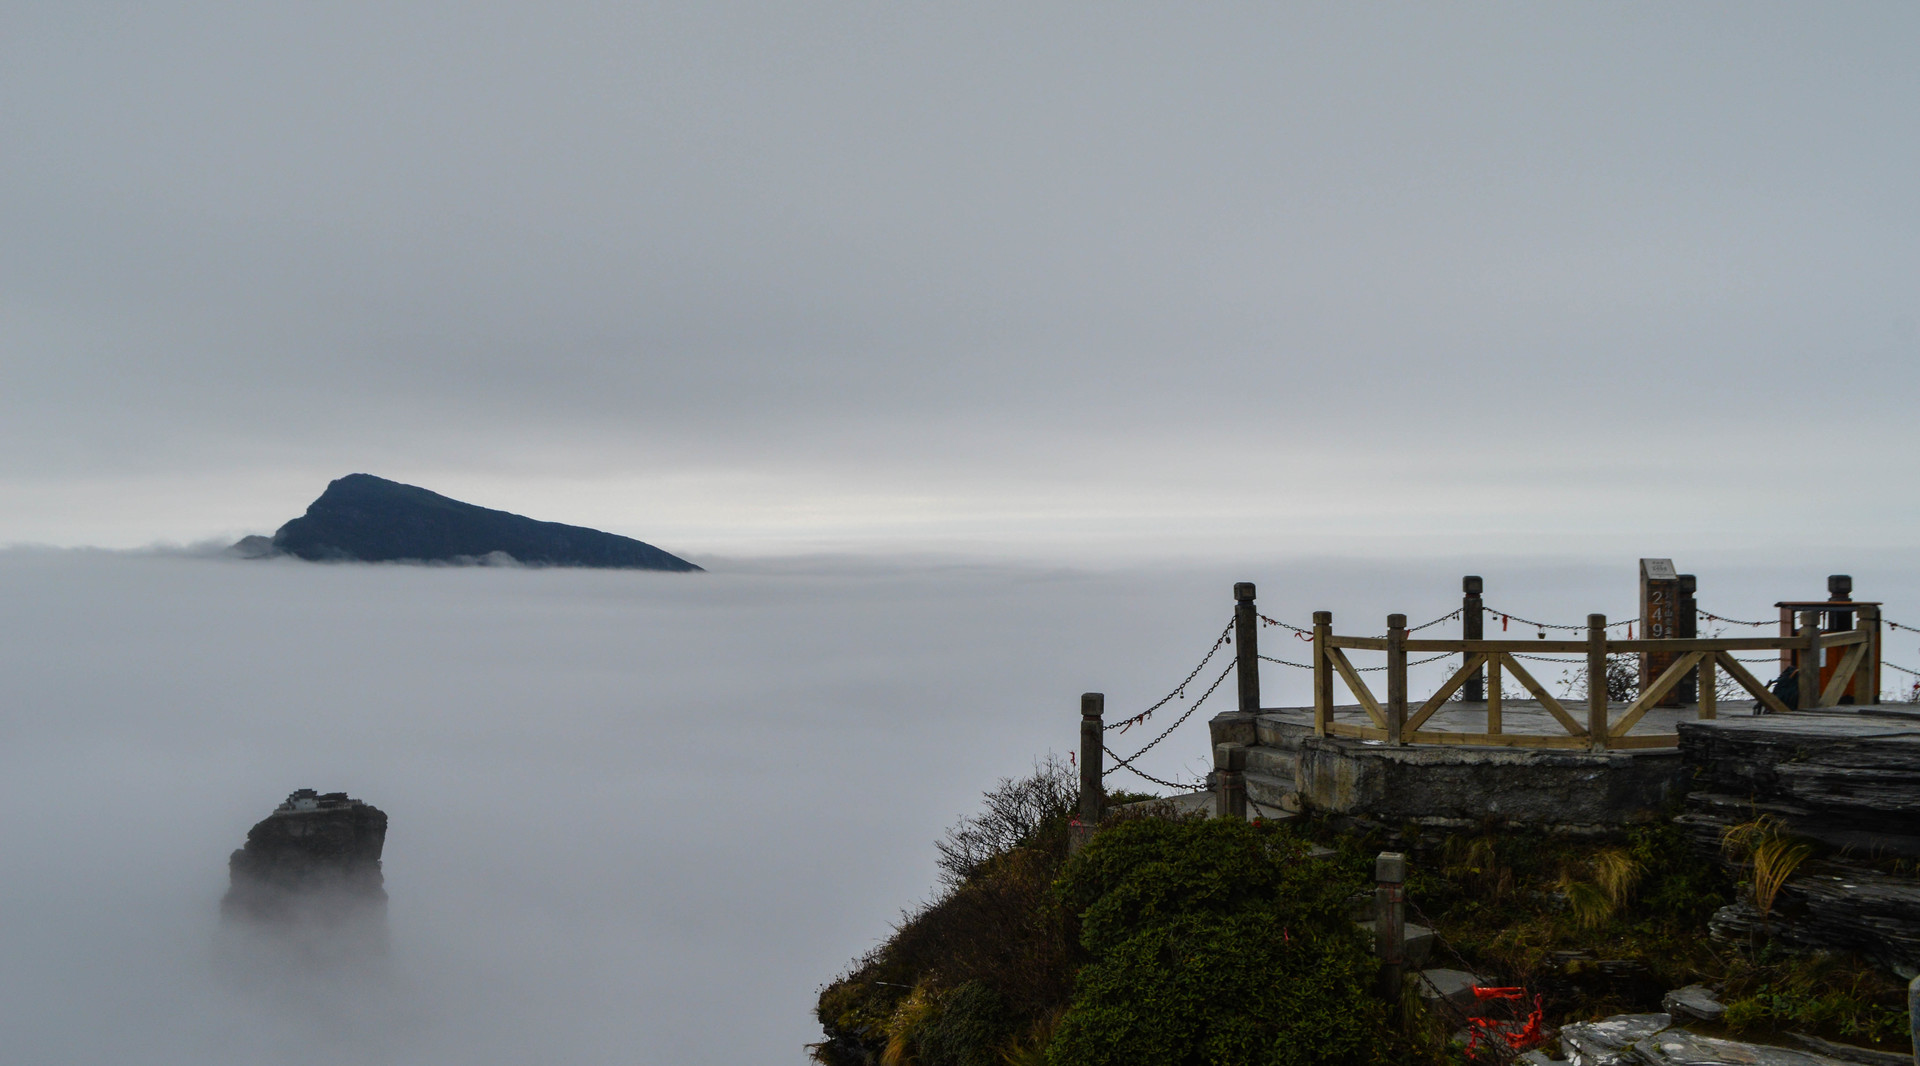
[
  {"x": 1454, "y": 988},
  {"x": 1419, "y": 941},
  {"x": 1694, "y": 1001},
  {"x": 1678, "y": 1047},
  {"x": 1609, "y": 1042}
]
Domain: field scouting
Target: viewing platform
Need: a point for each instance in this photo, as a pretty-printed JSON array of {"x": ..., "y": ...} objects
[{"x": 1287, "y": 766}]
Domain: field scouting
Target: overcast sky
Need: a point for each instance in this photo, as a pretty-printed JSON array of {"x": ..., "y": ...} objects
[{"x": 766, "y": 278}]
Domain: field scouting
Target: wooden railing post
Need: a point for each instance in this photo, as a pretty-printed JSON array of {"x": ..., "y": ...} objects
[
  {"x": 1230, "y": 781},
  {"x": 1396, "y": 679},
  {"x": 1322, "y": 674},
  {"x": 1390, "y": 921},
  {"x": 1597, "y": 681},
  {"x": 1246, "y": 639},
  {"x": 1472, "y": 627},
  {"x": 1810, "y": 655},
  {"x": 1093, "y": 741},
  {"x": 1869, "y": 686},
  {"x": 1687, "y": 627}
]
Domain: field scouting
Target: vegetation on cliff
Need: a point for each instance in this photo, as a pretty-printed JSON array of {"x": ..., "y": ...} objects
[
  {"x": 1162, "y": 941},
  {"x": 1221, "y": 942}
]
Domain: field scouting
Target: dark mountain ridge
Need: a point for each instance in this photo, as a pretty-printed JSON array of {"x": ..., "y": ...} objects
[{"x": 370, "y": 519}]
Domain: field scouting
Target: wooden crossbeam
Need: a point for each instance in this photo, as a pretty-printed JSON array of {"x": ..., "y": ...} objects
[
  {"x": 1739, "y": 673},
  {"x": 1358, "y": 687},
  {"x": 1357, "y": 732},
  {"x": 1656, "y": 692},
  {"x": 1540, "y": 693},
  {"x": 1446, "y": 691},
  {"x": 1495, "y": 740},
  {"x": 1843, "y": 673}
]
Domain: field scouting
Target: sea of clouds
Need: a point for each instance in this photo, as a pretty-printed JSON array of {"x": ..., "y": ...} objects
[{"x": 635, "y": 817}]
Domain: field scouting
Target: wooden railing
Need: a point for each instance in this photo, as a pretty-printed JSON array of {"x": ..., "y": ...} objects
[{"x": 1396, "y": 721}]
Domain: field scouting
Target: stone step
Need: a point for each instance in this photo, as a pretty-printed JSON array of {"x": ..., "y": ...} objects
[
  {"x": 1275, "y": 762},
  {"x": 1450, "y": 992},
  {"x": 1419, "y": 942}
]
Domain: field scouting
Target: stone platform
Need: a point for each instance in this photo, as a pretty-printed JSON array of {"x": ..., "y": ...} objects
[{"x": 1869, "y": 753}]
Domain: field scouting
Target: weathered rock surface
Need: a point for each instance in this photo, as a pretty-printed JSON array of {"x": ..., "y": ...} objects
[
  {"x": 369, "y": 519},
  {"x": 1678, "y": 1047},
  {"x": 314, "y": 861},
  {"x": 1609, "y": 1042},
  {"x": 1694, "y": 1001},
  {"x": 1846, "y": 777}
]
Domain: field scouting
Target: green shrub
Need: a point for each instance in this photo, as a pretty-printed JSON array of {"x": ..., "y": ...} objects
[
  {"x": 966, "y": 1029},
  {"x": 1213, "y": 942}
]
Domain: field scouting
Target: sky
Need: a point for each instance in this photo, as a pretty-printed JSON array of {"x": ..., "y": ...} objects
[{"x": 1063, "y": 281}]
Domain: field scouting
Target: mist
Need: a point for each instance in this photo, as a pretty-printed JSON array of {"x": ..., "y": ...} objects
[{"x": 634, "y": 817}]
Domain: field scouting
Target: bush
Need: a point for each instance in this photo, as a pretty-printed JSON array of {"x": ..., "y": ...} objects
[
  {"x": 1213, "y": 942},
  {"x": 1014, "y": 812}
]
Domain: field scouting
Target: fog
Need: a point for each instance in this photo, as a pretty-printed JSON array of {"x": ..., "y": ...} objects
[{"x": 635, "y": 817}]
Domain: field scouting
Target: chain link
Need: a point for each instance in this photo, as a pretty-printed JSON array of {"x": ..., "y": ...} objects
[
  {"x": 1179, "y": 690},
  {"x": 1902, "y": 669},
  {"x": 1296, "y": 630},
  {"x": 1457, "y": 612},
  {"x": 1549, "y": 625},
  {"x": 1711, "y": 617},
  {"x": 1283, "y": 662},
  {"x": 1128, "y": 761}
]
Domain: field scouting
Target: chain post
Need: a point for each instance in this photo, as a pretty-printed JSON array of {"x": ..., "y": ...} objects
[
  {"x": 1473, "y": 627},
  {"x": 1322, "y": 674},
  {"x": 1597, "y": 681},
  {"x": 1093, "y": 707},
  {"x": 1230, "y": 781},
  {"x": 1390, "y": 921},
  {"x": 1246, "y": 639}
]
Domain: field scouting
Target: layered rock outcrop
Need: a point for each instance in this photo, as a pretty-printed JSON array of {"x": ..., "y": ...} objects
[{"x": 315, "y": 861}]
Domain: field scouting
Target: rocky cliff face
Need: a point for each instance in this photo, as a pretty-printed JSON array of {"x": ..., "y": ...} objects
[
  {"x": 1846, "y": 781},
  {"x": 369, "y": 519},
  {"x": 315, "y": 861}
]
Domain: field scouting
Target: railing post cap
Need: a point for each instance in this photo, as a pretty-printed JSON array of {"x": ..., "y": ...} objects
[
  {"x": 1689, "y": 583},
  {"x": 1323, "y": 618},
  {"x": 1230, "y": 756},
  {"x": 1396, "y": 621},
  {"x": 1093, "y": 704},
  {"x": 1596, "y": 621},
  {"x": 1840, "y": 586},
  {"x": 1471, "y": 584},
  {"x": 1810, "y": 618},
  {"x": 1390, "y": 867},
  {"x": 1243, "y": 591}
]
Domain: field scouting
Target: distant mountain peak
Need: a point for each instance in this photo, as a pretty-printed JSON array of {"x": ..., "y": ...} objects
[{"x": 364, "y": 518}]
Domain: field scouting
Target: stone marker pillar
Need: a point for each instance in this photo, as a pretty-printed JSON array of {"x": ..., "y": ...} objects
[
  {"x": 1093, "y": 740},
  {"x": 1246, "y": 639},
  {"x": 1230, "y": 781},
  {"x": 1687, "y": 627},
  {"x": 1473, "y": 619},
  {"x": 1659, "y": 620},
  {"x": 1390, "y": 921}
]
